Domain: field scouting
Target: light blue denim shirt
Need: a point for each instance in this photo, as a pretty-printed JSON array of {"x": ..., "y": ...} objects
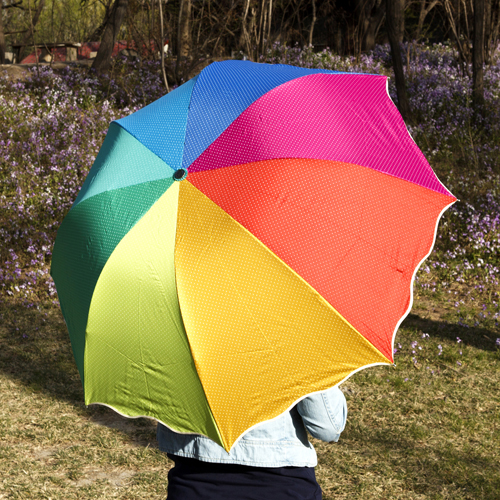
[{"x": 280, "y": 442}]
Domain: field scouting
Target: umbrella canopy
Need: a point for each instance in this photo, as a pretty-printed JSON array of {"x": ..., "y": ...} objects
[{"x": 246, "y": 240}]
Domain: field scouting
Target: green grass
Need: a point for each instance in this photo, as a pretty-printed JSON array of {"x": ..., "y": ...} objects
[{"x": 424, "y": 429}]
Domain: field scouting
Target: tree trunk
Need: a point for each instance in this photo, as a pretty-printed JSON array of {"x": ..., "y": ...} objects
[
  {"x": 495, "y": 25},
  {"x": 337, "y": 37},
  {"x": 269, "y": 21},
  {"x": 478, "y": 54},
  {"x": 97, "y": 33},
  {"x": 244, "y": 44},
  {"x": 2, "y": 36},
  {"x": 162, "y": 47},
  {"x": 260, "y": 34},
  {"x": 394, "y": 12},
  {"x": 362, "y": 12},
  {"x": 103, "y": 57},
  {"x": 313, "y": 22},
  {"x": 373, "y": 25},
  {"x": 401, "y": 23},
  {"x": 263, "y": 40},
  {"x": 424, "y": 12},
  {"x": 184, "y": 29},
  {"x": 252, "y": 30},
  {"x": 369, "y": 17},
  {"x": 487, "y": 31}
]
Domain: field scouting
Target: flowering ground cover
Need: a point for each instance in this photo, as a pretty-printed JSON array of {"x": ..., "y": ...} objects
[
  {"x": 411, "y": 430},
  {"x": 54, "y": 123},
  {"x": 52, "y": 127}
]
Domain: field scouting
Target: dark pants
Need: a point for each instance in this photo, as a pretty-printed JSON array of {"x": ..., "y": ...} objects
[{"x": 192, "y": 479}]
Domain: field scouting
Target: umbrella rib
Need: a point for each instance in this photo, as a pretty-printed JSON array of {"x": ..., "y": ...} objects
[
  {"x": 181, "y": 332},
  {"x": 142, "y": 357},
  {"x": 112, "y": 347},
  {"x": 252, "y": 316}
]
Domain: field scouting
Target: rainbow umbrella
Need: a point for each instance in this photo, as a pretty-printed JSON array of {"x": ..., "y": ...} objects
[{"x": 246, "y": 240}]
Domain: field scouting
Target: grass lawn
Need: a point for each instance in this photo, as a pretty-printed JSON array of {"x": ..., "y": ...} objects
[{"x": 428, "y": 428}]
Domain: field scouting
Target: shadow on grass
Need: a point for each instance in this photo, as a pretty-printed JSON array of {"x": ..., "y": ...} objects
[
  {"x": 35, "y": 350},
  {"x": 478, "y": 337},
  {"x": 421, "y": 469}
]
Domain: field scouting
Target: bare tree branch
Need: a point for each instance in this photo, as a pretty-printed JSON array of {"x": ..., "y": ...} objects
[
  {"x": 313, "y": 22},
  {"x": 393, "y": 13},
  {"x": 17, "y": 5},
  {"x": 2, "y": 36},
  {"x": 424, "y": 12},
  {"x": 33, "y": 20},
  {"x": 162, "y": 49},
  {"x": 451, "y": 21},
  {"x": 478, "y": 55}
]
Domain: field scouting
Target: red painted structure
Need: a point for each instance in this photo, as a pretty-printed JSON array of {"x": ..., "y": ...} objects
[{"x": 84, "y": 51}]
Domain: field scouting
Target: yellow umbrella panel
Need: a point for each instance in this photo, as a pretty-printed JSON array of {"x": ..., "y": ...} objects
[{"x": 250, "y": 338}]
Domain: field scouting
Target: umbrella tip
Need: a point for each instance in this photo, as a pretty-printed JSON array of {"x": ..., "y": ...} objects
[{"x": 180, "y": 174}]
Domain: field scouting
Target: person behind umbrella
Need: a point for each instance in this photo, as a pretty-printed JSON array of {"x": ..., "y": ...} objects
[{"x": 274, "y": 461}]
